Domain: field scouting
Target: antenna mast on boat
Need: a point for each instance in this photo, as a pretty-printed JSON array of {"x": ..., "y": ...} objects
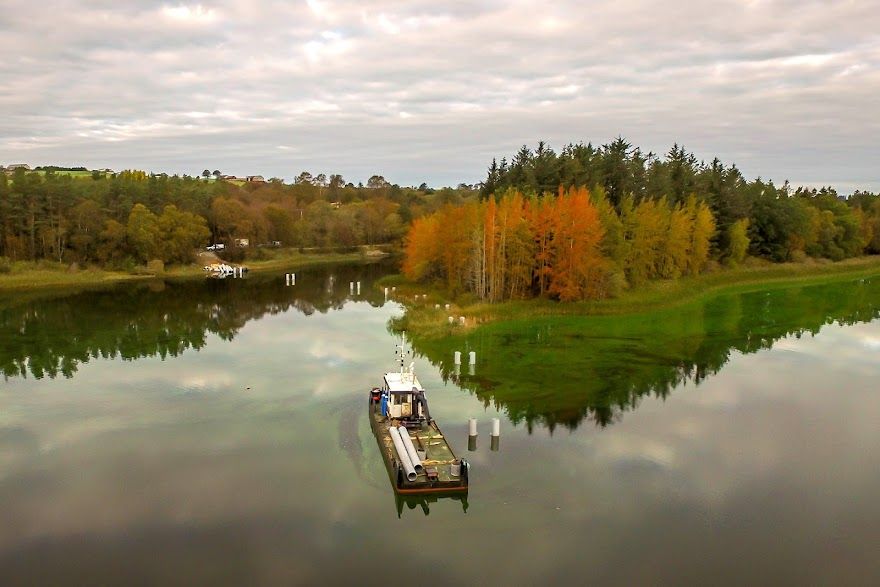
[{"x": 402, "y": 354}]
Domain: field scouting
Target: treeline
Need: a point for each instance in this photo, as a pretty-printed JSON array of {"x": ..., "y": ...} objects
[
  {"x": 623, "y": 219},
  {"x": 781, "y": 223},
  {"x": 133, "y": 217},
  {"x": 573, "y": 246}
]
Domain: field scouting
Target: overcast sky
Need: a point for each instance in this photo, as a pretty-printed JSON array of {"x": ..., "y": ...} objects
[{"x": 431, "y": 91}]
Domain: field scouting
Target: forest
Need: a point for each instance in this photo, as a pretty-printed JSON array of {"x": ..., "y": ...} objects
[
  {"x": 129, "y": 218},
  {"x": 590, "y": 222}
]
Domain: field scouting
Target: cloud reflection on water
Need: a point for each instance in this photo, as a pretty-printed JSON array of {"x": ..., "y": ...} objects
[{"x": 753, "y": 476}]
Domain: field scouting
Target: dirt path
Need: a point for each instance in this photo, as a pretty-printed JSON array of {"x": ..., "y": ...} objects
[{"x": 208, "y": 258}]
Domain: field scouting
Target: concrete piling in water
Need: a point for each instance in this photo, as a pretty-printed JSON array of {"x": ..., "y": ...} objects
[
  {"x": 351, "y": 288},
  {"x": 359, "y": 287},
  {"x": 472, "y": 434},
  {"x": 472, "y": 358},
  {"x": 287, "y": 279},
  {"x": 496, "y": 427},
  {"x": 293, "y": 278},
  {"x": 494, "y": 443},
  {"x": 457, "y": 357}
]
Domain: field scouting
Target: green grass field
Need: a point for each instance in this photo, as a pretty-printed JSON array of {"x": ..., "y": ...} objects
[{"x": 70, "y": 173}]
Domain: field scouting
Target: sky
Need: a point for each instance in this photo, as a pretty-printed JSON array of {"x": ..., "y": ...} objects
[{"x": 432, "y": 91}]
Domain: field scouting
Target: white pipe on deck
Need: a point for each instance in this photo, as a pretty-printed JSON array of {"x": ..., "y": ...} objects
[
  {"x": 410, "y": 449},
  {"x": 402, "y": 454}
]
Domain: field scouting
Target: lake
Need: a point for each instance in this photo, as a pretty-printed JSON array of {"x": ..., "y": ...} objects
[{"x": 216, "y": 432}]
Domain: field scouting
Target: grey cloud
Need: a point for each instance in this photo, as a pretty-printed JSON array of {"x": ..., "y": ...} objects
[{"x": 428, "y": 91}]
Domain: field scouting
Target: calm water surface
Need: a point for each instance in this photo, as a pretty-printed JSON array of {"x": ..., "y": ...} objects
[{"x": 216, "y": 432}]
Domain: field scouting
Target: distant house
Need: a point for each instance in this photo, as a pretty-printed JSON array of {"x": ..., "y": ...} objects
[
  {"x": 255, "y": 179},
  {"x": 14, "y": 166}
]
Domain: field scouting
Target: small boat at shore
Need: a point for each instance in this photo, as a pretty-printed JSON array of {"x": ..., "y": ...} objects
[
  {"x": 416, "y": 453},
  {"x": 223, "y": 270}
]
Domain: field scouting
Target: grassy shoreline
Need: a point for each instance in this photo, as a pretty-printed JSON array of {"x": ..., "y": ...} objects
[
  {"x": 422, "y": 319},
  {"x": 49, "y": 278}
]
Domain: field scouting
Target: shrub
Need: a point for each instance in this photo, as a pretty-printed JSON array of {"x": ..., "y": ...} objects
[
  {"x": 798, "y": 256},
  {"x": 232, "y": 255},
  {"x": 156, "y": 267}
]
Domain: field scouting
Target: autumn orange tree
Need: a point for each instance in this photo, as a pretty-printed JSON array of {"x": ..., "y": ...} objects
[
  {"x": 578, "y": 264},
  {"x": 573, "y": 246},
  {"x": 422, "y": 248}
]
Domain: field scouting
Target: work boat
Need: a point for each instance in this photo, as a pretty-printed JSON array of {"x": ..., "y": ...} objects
[{"x": 416, "y": 454}]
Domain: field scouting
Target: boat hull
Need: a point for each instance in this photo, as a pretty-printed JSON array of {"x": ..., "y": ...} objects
[{"x": 437, "y": 476}]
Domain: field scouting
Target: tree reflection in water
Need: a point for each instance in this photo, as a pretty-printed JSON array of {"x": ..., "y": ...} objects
[
  {"x": 47, "y": 335},
  {"x": 561, "y": 371}
]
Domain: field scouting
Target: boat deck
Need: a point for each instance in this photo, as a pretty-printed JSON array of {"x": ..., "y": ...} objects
[{"x": 439, "y": 456}]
